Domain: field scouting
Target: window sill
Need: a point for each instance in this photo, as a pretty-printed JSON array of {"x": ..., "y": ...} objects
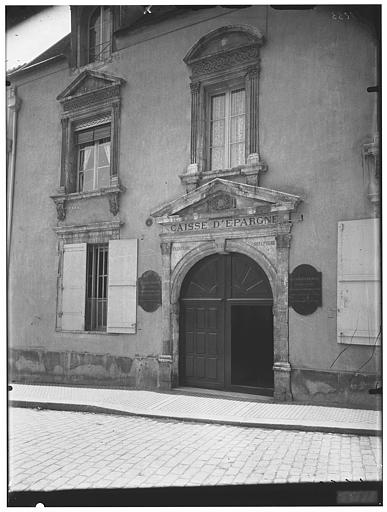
[
  {"x": 249, "y": 172},
  {"x": 93, "y": 66},
  {"x": 112, "y": 193},
  {"x": 93, "y": 333}
]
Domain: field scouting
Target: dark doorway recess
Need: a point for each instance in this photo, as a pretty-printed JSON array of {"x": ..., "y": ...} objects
[{"x": 226, "y": 325}]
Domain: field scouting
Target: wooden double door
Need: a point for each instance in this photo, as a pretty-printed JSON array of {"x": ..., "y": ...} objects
[{"x": 226, "y": 325}]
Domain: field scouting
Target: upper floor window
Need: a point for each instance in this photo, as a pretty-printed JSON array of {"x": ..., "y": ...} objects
[
  {"x": 100, "y": 34},
  {"x": 224, "y": 67},
  {"x": 227, "y": 126},
  {"x": 90, "y": 140},
  {"x": 93, "y": 148}
]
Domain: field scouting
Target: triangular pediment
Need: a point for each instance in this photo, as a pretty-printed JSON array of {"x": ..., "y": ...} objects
[
  {"x": 218, "y": 196},
  {"x": 87, "y": 82}
]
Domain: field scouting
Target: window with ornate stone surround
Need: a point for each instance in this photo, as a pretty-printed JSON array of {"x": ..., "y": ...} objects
[
  {"x": 90, "y": 141},
  {"x": 224, "y": 67}
]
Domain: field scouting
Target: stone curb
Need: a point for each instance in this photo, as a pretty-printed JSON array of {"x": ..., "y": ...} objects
[{"x": 272, "y": 424}]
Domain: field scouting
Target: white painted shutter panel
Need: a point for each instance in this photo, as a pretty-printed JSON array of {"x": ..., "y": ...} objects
[
  {"x": 358, "y": 286},
  {"x": 122, "y": 297},
  {"x": 74, "y": 287}
]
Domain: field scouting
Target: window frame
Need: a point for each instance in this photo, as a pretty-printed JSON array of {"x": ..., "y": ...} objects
[
  {"x": 80, "y": 44},
  {"x": 106, "y": 55},
  {"x": 71, "y": 185},
  {"x": 96, "y": 144},
  {"x": 226, "y": 88}
]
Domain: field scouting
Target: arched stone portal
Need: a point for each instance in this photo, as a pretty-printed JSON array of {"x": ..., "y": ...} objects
[{"x": 257, "y": 225}]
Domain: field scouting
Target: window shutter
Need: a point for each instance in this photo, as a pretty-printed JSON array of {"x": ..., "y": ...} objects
[
  {"x": 93, "y": 134},
  {"x": 122, "y": 298},
  {"x": 74, "y": 287},
  {"x": 358, "y": 287}
]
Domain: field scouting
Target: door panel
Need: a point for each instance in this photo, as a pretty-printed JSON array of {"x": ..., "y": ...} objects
[
  {"x": 251, "y": 346},
  {"x": 247, "y": 279},
  {"x": 205, "y": 280},
  {"x": 202, "y": 344},
  {"x": 226, "y": 325}
]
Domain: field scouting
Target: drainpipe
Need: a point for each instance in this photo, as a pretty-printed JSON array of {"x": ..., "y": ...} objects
[{"x": 13, "y": 107}]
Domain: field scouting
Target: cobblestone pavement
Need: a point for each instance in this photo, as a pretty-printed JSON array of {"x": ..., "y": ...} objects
[{"x": 55, "y": 450}]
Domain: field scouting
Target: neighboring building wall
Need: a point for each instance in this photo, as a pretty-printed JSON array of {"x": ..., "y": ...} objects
[{"x": 314, "y": 115}]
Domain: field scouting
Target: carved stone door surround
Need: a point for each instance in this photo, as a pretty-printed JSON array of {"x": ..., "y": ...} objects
[{"x": 249, "y": 220}]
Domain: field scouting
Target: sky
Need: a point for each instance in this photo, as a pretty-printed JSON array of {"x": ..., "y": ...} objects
[{"x": 32, "y": 37}]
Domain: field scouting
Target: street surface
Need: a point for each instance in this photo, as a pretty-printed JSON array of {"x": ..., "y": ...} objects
[{"x": 58, "y": 450}]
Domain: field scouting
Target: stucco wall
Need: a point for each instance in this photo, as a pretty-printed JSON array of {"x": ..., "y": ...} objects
[{"x": 315, "y": 113}]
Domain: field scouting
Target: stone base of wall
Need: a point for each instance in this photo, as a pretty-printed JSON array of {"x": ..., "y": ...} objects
[
  {"x": 307, "y": 386},
  {"x": 342, "y": 389},
  {"x": 42, "y": 366}
]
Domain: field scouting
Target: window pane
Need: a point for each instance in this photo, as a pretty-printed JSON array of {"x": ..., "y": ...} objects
[
  {"x": 105, "y": 269},
  {"x": 237, "y": 133},
  {"x": 106, "y": 15},
  {"x": 93, "y": 43},
  {"x": 103, "y": 177},
  {"x": 104, "y": 314},
  {"x": 105, "y": 36},
  {"x": 217, "y": 107},
  {"x": 237, "y": 154},
  {"x": 100, "y": 263},
  {"x": 81, "y": 165},
  {"x": 80, "y": 182},
  {"x": 94, "y": 34},
  {"x": 104, "y": 154},
  {"x": 87, "y": 157},
  {"x": 217, "y": 133},
  {"x": 217, "y": 156},
  {"x": 88, "y": 180},
  {"x": 100, "y": 286},
  {"x": 237, "y": 128},
  {"x": 238, "y": 102}
]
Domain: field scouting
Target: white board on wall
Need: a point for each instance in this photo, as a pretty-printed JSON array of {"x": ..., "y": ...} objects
[{"x": 358, "y": 282}]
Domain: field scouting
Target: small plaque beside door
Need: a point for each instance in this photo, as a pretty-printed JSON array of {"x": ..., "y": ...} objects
[
  {"x": 305, "y": 289},
  {"x": 149, "y": 291}
]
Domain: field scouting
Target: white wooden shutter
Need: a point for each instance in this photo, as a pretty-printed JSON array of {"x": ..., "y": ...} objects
[
  {"x": 74, "y": 287},
  {"x": 358, "y": 286},
  {"x": 122, "y": 297}
]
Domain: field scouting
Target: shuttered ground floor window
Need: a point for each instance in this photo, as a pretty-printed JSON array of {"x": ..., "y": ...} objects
[
  {"x": 358, "y": 282},
  {"x": 99, "y": 287}
]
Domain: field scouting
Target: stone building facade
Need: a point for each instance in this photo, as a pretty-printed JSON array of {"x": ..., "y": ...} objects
[{"x": 193, "y": 200}]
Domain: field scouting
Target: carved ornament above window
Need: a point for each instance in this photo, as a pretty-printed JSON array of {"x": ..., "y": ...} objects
[
  {"x": 224, "y": 60},
  {"x": 90, "y": 88}
]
